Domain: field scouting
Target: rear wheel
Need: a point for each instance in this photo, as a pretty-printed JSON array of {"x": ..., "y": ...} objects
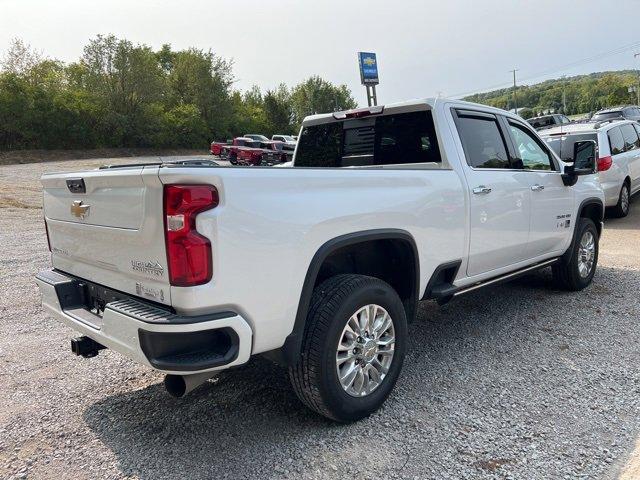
[
  {"x": 353, "y": 349},
  {"x": 233, "y": 159},
  {"x": 624, "y": 199},
  {"x": 577, "y": 270}
]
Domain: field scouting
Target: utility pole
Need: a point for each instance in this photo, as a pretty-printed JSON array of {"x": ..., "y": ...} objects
[
  {"x": 636, "y": 55},
  {"x": 564, "y": 95},
  {"x": 515, "y": 98}
]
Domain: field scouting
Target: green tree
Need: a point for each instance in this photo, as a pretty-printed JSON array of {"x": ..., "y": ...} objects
[
  {"x": 127, "y": 79},
  {"x": 202, "y": 79},
  {"x": 316, "y": 95},
  {"x": 119, "y": 94},
  {"x": 278, "y": 111}
]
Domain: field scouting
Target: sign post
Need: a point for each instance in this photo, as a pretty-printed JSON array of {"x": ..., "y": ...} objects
[{"x": 369, "y": 75}]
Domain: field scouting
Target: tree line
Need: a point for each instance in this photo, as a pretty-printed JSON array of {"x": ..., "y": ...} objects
[
  {"x": 119, "y": 94},
  {"x": 580, "y": 94}
]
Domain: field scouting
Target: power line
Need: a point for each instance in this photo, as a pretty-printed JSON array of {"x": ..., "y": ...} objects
[{"x": 615, "y": 51}]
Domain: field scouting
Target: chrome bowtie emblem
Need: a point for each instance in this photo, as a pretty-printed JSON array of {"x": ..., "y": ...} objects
[{"x": 79, "y": 210}]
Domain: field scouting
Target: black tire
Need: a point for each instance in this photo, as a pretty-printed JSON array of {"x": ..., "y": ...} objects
[
  {"x": 566, "y": 273},
  {"x": 622, "y": 207},
  {"x": 315, "y": 378},
  {"x": 233, "y": 159}
]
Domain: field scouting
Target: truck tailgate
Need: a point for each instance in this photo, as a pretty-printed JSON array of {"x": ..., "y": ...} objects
[{"x": 107, "y": 226}]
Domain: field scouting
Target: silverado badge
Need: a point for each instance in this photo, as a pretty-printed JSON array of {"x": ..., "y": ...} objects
[{"x": 79, "y": 210}]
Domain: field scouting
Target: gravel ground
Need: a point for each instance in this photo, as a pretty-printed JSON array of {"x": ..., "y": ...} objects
[{"x": 519, "y": 381}]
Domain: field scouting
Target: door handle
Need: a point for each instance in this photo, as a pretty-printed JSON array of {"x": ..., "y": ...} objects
[
  {"x": 481, "y": 190},
  {"x": 537, "y": 188}
]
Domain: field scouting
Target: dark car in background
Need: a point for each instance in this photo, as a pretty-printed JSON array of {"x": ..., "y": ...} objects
[
  {"x": 626, "y": 112},
  {"x": 548, "y": 121}
]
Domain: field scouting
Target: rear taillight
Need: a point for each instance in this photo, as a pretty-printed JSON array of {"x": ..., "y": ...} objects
[
  {"x": 188, "y": 253},
  {"x": 604, "y": 163}
]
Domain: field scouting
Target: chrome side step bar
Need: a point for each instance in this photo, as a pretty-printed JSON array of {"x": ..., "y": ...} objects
[{"x": 505, "y": 277}]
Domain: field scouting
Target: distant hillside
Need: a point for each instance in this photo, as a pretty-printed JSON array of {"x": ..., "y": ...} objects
[{"x": 583, "y": 93}]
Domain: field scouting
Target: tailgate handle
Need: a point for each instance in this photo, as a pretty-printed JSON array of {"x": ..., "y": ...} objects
[{"x": 76, "y": 185}]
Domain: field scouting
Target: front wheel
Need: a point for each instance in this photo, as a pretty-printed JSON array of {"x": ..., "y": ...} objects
[
  {"x": 577, "y": 271},
  {"x": 353, "y": 349}
]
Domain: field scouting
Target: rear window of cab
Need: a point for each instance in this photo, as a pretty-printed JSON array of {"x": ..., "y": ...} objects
[{"x": 395, "y": 139}]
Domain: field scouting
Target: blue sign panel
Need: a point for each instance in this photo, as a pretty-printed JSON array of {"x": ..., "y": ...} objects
[{"x": 368, "y": 68}]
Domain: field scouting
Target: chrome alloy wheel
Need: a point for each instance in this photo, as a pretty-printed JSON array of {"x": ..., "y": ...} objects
[
  {"x": 624, "y": 198},
  {"x": 365, "y": 350},
  {"x": 586, "y": 254}
]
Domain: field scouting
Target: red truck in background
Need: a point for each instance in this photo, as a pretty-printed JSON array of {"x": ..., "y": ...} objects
[
  {"x": 216, "y": 147},
  {"x": 242, "y": 150},
  {"x": 246, "y": 151}
]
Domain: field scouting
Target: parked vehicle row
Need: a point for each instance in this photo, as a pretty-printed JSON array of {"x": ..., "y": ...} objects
[
  {"x": 384, "y": 206},
  {"x": 623, "y": 112},
  {"x": 254, "y": 149}
]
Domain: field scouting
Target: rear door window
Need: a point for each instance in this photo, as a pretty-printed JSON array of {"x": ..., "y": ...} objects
[
  {"x": 397, "y": 139},
  {"x": 630, "y": 136},
  {"x": 616, "y": 141},
  {"x": 482, "y": 140}
]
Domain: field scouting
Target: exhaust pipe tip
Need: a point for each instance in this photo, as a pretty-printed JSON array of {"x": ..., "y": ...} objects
[
  {"x": 179, "y": 385},
  {"x": 175, "y": 385}
]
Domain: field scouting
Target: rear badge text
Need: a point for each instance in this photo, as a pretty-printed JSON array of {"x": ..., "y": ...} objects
[{"x": 147, "y": 267}]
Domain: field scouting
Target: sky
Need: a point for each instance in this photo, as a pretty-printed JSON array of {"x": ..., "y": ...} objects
[{"x": 424, "y": 48}]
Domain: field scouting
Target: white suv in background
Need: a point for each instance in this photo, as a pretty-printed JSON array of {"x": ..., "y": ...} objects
[{"x": 618, "y": 145}]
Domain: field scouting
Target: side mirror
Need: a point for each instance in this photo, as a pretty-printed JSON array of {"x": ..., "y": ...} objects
[{"x": 584, "y": 162}]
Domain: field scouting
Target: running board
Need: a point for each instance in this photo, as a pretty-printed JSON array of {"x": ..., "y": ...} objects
[{"x": 444, "y": 293}]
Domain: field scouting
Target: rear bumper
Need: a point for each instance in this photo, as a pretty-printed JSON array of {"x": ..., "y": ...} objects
[{"x": 147, "y": 334}]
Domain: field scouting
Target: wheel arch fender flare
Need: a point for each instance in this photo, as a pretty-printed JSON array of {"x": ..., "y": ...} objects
[
  {"x": 289, "y": 353},
  {"x": 587, "y": 202}
]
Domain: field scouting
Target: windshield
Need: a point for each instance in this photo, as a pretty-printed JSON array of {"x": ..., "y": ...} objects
[
  {"x": 562, "y": 145},
  {"x": 607, "y": 115}
]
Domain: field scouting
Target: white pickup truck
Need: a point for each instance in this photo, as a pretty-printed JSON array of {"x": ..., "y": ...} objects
[{"x": 191, "y": 268}]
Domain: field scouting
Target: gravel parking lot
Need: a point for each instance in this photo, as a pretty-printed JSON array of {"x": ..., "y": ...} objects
[{"x": 517, "y": 381}]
